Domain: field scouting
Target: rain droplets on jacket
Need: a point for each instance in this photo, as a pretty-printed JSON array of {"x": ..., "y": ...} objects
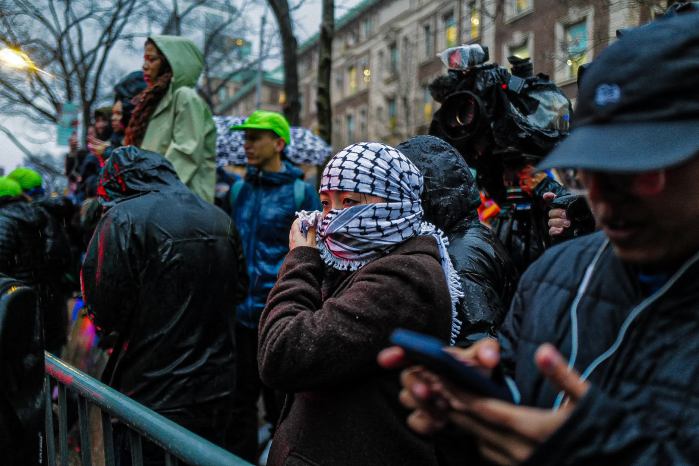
[
  {"x": 164, "y": 270},
  {"x": 450, "y": 199}
]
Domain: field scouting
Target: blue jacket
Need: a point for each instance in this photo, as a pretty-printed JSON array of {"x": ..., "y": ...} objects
[{"x": 263, "y": 211}]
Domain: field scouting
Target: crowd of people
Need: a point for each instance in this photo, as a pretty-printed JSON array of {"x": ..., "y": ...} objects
[{"x": 284, "y": 295}]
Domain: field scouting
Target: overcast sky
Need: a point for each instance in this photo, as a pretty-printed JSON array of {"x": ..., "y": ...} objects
[{"x": 42, "y": 139}]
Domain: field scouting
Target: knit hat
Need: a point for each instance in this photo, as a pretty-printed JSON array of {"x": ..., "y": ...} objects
[
  {"x": 27, "y": 178},
  {"x": 9, "y": 187}
]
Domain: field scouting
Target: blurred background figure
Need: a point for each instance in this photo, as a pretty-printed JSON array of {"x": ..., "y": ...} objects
[{"x": 53, "y": 286}]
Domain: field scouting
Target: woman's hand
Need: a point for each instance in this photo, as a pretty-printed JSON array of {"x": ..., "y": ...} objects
[
  {"x": 96, "y": 146},
  {"x": 297, "y": 239}
]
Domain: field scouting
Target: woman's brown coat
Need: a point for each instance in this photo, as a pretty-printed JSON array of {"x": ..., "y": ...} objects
[{"x": 320, "y": 347}]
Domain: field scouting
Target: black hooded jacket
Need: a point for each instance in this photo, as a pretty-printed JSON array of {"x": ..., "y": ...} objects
[
  {"x": 21, "y": 243},
  {"x": 450, "y": 200},
  {"x": 165, "y": 271},
  {"x": 34, "y": 249}
]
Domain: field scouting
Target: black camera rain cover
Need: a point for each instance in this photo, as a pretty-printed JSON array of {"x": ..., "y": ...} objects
[{"x": 532, "y": 121}]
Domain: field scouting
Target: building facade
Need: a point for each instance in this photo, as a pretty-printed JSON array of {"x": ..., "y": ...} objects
[
  {"x": 244, "y": 99},
  {"x": 385, "y": 54}
]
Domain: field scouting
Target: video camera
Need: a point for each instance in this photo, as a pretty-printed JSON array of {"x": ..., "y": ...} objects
[{"x": 516, "y": 111}]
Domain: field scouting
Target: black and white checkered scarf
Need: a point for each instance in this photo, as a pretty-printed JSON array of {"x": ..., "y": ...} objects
[{"x": 350, "y": 238}]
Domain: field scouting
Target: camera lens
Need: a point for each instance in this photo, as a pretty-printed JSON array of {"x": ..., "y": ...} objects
[{"x": 461, "y": 115}]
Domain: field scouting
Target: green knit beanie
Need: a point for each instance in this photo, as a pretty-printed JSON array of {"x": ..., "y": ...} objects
[
  {"x": 26, "y": 177},
  {"x": 9, "y": 187}
]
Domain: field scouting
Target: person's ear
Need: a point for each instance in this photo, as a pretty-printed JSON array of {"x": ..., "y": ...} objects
[
  {"x": 649, "y": 183},
  {"x": 280, "y": 144}
]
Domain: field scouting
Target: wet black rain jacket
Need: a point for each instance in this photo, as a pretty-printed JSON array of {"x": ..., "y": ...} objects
[
  {"x": 33, "y": 249},
  {"x": 21, "y": 243},
  {"x": 643, "y": 407},
  {"x": 450, "y": 200},
  {"x": 165, "y": 271}
]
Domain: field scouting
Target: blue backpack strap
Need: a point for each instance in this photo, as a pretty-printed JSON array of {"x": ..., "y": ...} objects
[
  {"x": 299, "y": 192},
  {"x": 235, "y": 190}
]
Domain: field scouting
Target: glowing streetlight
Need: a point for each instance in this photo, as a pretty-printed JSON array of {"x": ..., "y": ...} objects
[{"x": 19, "y": 60}]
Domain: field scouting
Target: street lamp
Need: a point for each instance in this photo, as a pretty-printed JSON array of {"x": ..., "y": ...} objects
[{"x": 19, "y": 60}]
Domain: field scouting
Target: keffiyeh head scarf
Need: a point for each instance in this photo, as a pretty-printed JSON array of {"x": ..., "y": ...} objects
[{"x": 350, "y": 238}]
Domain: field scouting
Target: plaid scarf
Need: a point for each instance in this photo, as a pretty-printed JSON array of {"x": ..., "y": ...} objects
[{"x": 350, "y": 238}]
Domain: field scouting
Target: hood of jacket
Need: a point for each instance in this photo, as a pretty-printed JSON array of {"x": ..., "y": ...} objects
[
  {"x": 288, "y": 175},
  {"x": 450, "y": 196},
  {"x": 185, "y": 58},
  {"x": 131, "y": 172}
]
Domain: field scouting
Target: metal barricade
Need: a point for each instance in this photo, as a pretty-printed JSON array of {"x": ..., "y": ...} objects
[{"x": 177, "y": 443}]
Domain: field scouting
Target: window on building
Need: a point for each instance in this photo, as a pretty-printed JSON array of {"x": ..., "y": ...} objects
[
  {"x": 521, "y": 6},
  {"x": 393, "y": 57},
  {"x": 474, "y": 14},
  {"x": 379, "y": 63},
  {"x": 520, "y": 50},
  {"x": 363, "y": 133},
  {"x": 576, "y": 40},
  {"x": 367, "y": 27},
  {"x": 366, "y": 72},
  {"x": 350, "y": 39},
  {"x": 350, "y": 128},
  {"x": 339, "y": 83},
  {"x": 352, "y": 79},
  {"x": 337, "y": 131},
  {"x": 426, "y": 104},
  {"x": 392, "y": 114},
  {"x": 428, "y": 40},
  {"x": 449, "y": 26}
]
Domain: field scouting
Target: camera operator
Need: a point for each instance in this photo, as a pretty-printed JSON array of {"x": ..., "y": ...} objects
[{"x": 503, "y": 123}]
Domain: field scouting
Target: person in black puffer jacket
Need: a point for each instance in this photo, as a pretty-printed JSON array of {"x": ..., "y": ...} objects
[
  {"x": 450, "y": 200},
  {"x": 21, "y": 245},
  {"x": 31, "y": 251},
  {"x": 164, "y": 270},
  {"x": 55, "y": 283}
]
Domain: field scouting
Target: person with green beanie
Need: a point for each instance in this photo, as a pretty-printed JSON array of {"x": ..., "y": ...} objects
[
  {"x": 9, "y": 188},
  {"x": 45, "y": 214},
  {"x": 26, "y": 254},
  {"x": 170, "y": 118},
  {"x": 29, "y": 180}
]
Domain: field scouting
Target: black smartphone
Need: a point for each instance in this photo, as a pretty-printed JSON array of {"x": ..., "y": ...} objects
[{"x": 428, "y": 351}]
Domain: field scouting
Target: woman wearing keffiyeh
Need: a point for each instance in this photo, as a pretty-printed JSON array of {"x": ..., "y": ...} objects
[{"x": 364, "y": 266}]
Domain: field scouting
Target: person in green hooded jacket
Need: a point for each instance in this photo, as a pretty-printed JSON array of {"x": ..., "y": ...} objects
[{"x": 170, "y": 118}]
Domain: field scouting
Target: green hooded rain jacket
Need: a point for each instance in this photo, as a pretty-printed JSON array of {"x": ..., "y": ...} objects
[{"x": 181, "y": 127}]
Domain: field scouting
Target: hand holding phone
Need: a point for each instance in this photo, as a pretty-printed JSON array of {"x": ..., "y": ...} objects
[{"x": 429, "y": 352}]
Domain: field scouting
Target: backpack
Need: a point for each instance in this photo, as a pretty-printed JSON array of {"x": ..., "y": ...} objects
[{"x": 299, "y": 192}]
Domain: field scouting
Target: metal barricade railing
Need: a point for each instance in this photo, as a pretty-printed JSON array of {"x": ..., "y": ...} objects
[{"x": 177, "y": 443}]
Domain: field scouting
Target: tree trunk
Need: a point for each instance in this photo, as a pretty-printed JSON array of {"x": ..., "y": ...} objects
[
  {"x": 325, "y": 49},
  {"x": 292, "y": 107}
]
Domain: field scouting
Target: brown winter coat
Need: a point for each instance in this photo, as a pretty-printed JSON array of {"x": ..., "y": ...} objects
[{"x": 320, "y": 347}]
